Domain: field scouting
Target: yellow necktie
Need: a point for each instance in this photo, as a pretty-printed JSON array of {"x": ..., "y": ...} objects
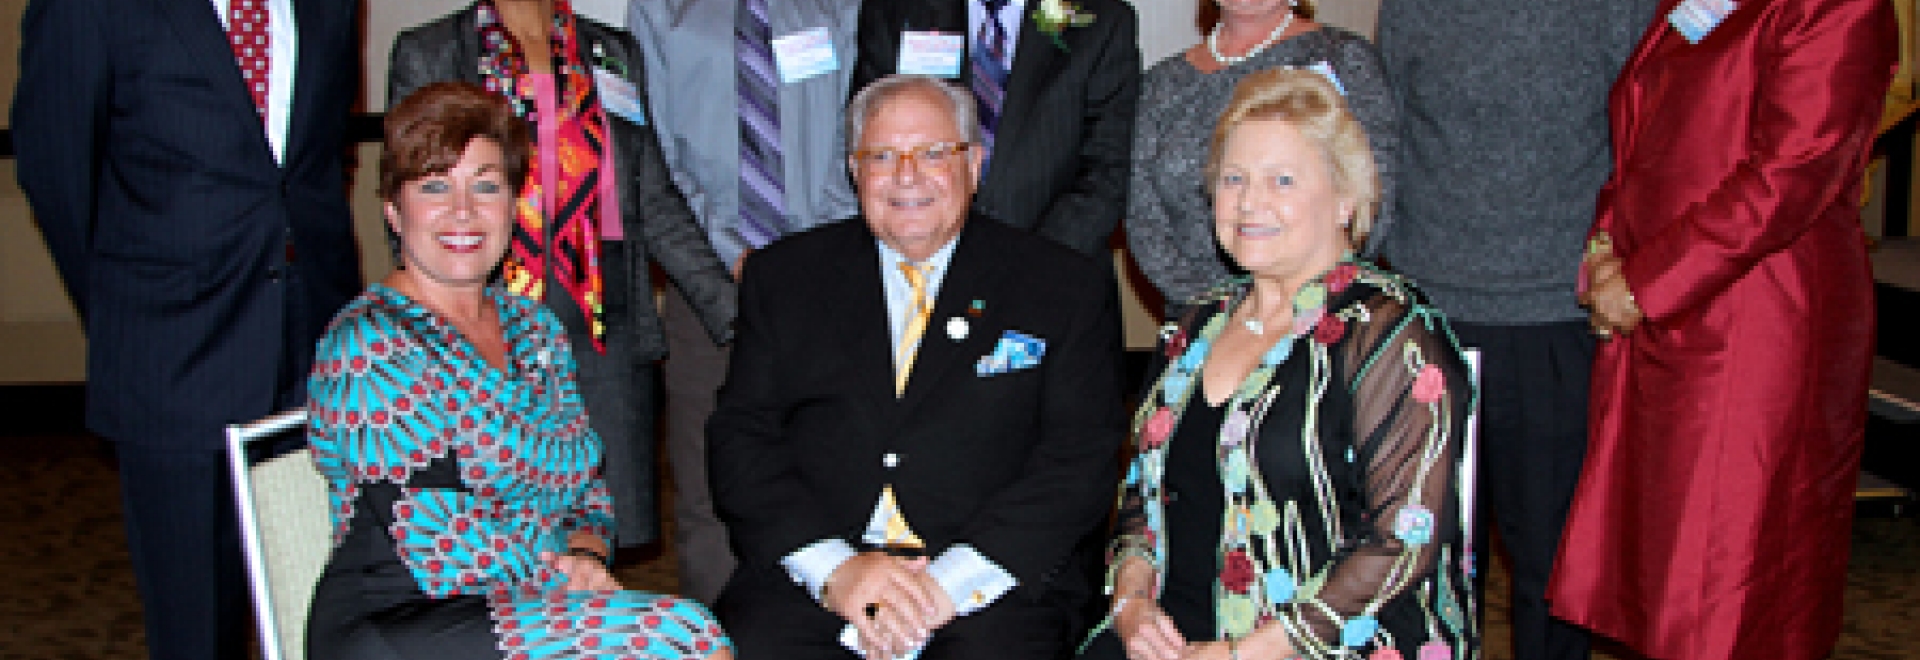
[
  {"x": 889, "y": 527},
  {"x": 919, "y": 310}
]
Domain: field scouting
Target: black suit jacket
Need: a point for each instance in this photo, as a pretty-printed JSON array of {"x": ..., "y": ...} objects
[
  {"x": 187, "y": 250},
  {"x": 1020, "y": 465},
  {"x": 1063, "y": 148},
  {"x": 658, "y": 222}
]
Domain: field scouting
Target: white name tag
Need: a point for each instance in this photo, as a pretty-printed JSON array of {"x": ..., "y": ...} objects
[
  {"x": 805, "y": 54},
  {"x": 619, "y": 96},
  {"x": 932, "y": 54},
  {"x": 1693, "y": 19}
]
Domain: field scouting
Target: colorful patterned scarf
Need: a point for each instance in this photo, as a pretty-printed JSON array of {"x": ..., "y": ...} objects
[{"x": 573, "y": 203}]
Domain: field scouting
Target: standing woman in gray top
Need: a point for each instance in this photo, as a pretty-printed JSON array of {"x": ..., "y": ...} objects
[
  {"x": 599, "y": 208},
  {"x": 1169, "y": 214}
]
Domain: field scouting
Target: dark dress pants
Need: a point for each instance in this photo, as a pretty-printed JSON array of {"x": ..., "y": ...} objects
[
  {"x": 1533, "y": 439},
  {"x": 694, "y": 369},
  {"x": 184, "y": 540},
  {"x": 183, "y": 530}
]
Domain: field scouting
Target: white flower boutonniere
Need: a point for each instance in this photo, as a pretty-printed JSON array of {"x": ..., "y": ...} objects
[{"x": 1054, "y": 16}]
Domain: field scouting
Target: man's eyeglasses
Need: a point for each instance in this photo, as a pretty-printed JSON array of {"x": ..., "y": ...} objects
[{"x": 884, "y": 159}]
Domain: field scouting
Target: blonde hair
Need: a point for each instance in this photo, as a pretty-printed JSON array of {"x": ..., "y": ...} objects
[{"x": 1311, "y": 103}]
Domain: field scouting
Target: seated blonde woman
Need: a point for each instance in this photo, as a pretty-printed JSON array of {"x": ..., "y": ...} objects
[
  {"x": 470, "y": 519},
  {"x": 1297, "y": 487}
]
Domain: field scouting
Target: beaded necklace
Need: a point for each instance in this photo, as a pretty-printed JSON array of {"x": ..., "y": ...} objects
[{"x": 1213, "y": 42}]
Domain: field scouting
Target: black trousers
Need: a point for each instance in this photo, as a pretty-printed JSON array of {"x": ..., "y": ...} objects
[
  {"x": 183, "y": 536},
  {"x": 183, "y": 530},
  {"x": 694, "y": 370},
  {"x": 1533, "y": 439}
]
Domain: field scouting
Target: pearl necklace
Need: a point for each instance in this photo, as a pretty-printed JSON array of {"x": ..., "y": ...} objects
[{"x": 1213, "y": 43}]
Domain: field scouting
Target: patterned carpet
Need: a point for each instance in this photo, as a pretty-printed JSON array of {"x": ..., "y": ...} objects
[{"x": 69, "y": 592}]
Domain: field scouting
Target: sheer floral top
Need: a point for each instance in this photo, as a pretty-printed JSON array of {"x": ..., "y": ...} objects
[{"x": 1341, "y": 462}]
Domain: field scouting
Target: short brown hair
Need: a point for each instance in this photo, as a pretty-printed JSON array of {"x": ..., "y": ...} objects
[
  {"x": 427, "y": 132},
  {"x": 1311, "y": 103}
]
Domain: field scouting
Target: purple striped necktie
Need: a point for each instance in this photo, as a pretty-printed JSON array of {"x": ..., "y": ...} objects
[
  {"x": 763, "y": 216},
  {"x": 989, "y": 62}
]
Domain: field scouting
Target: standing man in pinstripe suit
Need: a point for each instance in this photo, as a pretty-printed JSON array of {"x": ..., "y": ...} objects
[{"x": 182, "y": 158}]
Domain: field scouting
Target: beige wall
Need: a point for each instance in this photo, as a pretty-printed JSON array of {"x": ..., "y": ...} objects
[{"x": 40, "y": 338}]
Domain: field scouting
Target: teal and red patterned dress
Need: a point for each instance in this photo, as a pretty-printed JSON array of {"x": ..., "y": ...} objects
[{"x": 448, "y": 477}]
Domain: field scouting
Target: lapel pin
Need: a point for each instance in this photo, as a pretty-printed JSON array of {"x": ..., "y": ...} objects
[
  {"x": 976, "y": 308},
  {"x": 957, "y": 328}
]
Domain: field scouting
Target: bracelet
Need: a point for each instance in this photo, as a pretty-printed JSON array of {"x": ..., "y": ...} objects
[{"x": 591, "y": 553}]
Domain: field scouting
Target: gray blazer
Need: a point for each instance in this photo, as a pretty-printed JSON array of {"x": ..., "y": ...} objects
[{"x": 658, "y": 222}]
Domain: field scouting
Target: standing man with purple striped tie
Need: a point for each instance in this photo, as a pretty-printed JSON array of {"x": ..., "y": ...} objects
[
  {"x": 1055, "y": 81},
  {"x": 757, "y": 160}
]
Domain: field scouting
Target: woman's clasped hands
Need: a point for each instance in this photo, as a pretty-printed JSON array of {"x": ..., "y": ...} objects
[{"x": 1604, "y": 292}]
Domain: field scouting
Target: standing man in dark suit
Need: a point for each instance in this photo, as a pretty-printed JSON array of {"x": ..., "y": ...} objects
[
  {"x": 1055, "y": 84},
  {"x": 918, "y": 429},
  {"x": 183, "y": 160}
]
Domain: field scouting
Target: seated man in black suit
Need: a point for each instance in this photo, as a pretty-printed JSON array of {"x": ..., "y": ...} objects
[{"x": 918, "y": 432}]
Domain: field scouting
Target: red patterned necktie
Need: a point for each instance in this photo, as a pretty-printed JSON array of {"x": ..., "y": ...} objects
[{"x": 247, "y": 30}]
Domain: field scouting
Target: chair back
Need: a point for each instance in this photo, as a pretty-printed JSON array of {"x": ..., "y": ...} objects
[
  {"x": 1470, "y": 449},
  {"x": 286, "y": 529}
]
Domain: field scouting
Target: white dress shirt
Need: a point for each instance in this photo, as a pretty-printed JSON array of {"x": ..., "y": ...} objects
[
  {"x": 1009, "y": 21},
  {"x": 282, "y": 54}
]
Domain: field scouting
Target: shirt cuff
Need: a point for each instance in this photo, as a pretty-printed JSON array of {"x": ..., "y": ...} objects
[
  {"x": 970, "y": 579},
  {"x": 810, "y": 566}
]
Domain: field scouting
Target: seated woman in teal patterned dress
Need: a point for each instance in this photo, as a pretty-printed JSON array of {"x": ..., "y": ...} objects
[
  {"x": 470, "y": 519},
  {"x": 1299, "y": 486}
]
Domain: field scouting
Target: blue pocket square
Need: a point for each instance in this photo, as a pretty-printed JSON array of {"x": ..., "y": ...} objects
[{"x": 1014, "y": 351}]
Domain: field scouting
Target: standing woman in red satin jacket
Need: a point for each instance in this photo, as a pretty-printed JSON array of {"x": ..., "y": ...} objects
[{"x": 1729, "y": 275}]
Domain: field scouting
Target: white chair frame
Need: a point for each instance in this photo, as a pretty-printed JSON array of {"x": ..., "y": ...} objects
[{"x": 281, "y": 589}]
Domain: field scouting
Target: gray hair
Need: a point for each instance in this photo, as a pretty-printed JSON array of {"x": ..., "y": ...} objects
[{"x": 863, "y": 104}]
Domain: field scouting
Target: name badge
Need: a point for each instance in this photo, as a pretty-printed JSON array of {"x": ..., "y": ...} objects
[
  {"x": 1325, "y": 69},
  {"x": 932, "y": 54},
  {"x": 804, "y": 54},
  {"x": 1693, "y": 19},
  {"x": 619, "y": 96}
]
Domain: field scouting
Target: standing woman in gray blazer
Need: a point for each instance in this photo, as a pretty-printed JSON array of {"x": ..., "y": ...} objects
[{"x": 598, "y": 205}]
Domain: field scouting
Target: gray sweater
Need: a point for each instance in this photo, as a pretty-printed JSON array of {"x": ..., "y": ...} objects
[
  {"x": 1169, "y": 211},
  {"x": 1504, "y": 143}
]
